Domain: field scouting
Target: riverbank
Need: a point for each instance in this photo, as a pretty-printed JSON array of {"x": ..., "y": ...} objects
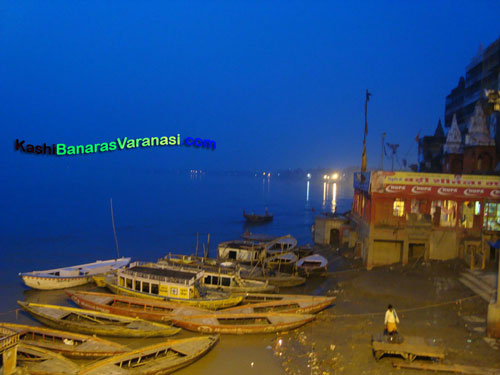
[{"x": 431, "y": 303}]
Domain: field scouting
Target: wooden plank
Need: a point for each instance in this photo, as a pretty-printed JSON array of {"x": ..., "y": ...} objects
[{"x": 462, "y": 369}]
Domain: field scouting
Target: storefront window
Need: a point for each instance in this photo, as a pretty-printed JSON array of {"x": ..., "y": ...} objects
[
  {"x": 467, "y": 214},
  {"x": 444, "y": 213},
  {"x": 491, "y": 216},
  {"x": 417, "y": 206},
  {"x": 448, "y": 214},
  {"x": 398, "y": 207}
]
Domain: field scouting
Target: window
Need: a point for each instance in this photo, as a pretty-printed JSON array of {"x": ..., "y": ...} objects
[
  {"x": 398, "y": 207},
  {"x": 154, "y": 288},
  {"x": 137, "y": 285},
  {"x": 174, "y": 291},
  {"x": 226, "y": 281},
  {"x": 129, "y": 283},
  {"x": 145, "y": 287},
  {"x": 121, "y": 281},
  {"x": 448, "y": 214},
  {"x": 208, "y": 280},
  {"x": 467, "y": 215},
  {"x": 417, "y": 206},
  {"x": 491, "y": 216}
]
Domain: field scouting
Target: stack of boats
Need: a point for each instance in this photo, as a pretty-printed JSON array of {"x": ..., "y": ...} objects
[{"x": 208, "y": 296}]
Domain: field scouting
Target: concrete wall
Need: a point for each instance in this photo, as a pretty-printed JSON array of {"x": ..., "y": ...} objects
[
  {"x": 386, "y": 252},
  {"x": 443, "y": 245}
]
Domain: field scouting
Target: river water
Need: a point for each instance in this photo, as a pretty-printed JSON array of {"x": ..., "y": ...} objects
[{"x": 66, "y": 220}]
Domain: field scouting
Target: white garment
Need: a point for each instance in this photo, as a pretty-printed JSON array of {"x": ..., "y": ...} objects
[{"x": 391, "y": 317}]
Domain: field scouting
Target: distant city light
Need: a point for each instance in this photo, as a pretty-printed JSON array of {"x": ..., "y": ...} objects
[
  {"x": 263, "y": 173},
  {"x": 325, "y": 177},
  {"x": 308, "y": 175},
  {"x": 335, "y": 176},
  {"x": 269, "y": 174}
]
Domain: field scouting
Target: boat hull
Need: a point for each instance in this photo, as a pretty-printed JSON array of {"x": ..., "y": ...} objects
[
  {"x": 191, "y": 349},
  {"x": 116, "y": 330},
  {"x": 146, "y": 309},
  {"x": 269, "y": 323},
  {"x": 76, "y": 346},
  {"x": 51, "y": 283},
  {"x": 305, "y": 305}
]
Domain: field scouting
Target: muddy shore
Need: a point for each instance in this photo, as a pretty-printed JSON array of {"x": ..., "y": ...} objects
[{"x": 430, "y": 300}]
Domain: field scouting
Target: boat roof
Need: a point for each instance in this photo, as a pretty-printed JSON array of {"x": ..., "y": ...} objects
[{"x": 165, "y": 272}]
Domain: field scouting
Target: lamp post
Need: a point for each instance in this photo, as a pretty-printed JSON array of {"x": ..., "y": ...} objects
[{"x": 494, "y": 307}]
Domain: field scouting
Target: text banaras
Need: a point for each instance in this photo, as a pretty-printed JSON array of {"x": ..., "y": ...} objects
[{"x": 62, "y": 149}]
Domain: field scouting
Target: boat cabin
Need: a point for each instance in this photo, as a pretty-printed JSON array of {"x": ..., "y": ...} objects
[{"x": 162, "y": 282}]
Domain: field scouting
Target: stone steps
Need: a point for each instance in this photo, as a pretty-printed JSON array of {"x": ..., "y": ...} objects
[{"x": 482, "y": 284}]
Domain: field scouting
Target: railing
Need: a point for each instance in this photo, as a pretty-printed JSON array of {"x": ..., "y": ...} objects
[{"x": 9, "y": 339}]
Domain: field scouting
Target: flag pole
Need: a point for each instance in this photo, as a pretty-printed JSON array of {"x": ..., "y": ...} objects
[{"x": 363, "y": 156}]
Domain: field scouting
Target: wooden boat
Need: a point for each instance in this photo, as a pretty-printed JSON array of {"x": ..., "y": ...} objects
[
  {"x": 254, "y": 218},
  {"x": 95, "y": 322},
  {"x": 272, "y": 277},
  {"x": 307, "y": 305},
  {"x": 39, "y": 361},
  {"x": 164, "y": 285},
  {"x": 71, "y": 345},
  {"x": 239, "y": 324},
  {"x": 278, "y": 279},
  {"x": 67, "y": 277},
  {"x": 219, "y": 277},
  {"x": 134, "y": 307},
  {"x": 163, "y": 358},
  {"x": 279, "y": 261},
  {"x": 266, "y": 297},
  {"x": 312, "y": 263},
  {"x": 252, "y": 252}
]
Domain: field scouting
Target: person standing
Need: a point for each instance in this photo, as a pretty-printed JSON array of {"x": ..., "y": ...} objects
[{"x": 391, "y": 320}]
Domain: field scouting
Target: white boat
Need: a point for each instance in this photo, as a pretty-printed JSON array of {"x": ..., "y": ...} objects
[
  {"x": 68, "y": 277},
  {"x": 312, "y": 263}
]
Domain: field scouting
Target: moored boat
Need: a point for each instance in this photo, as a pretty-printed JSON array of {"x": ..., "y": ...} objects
[
  {"x": 152, "y": 282},
  {"x": 303, "y": 305},
  {"x": 281, "y": 261},
  {"x": 253, "y": 252},
  {"x": 218, "y": 277},
  {"x": 312, "y": 263},
  {"x": 39, "y": 361},
  {"x": 69, "y": 344},
  {"x": 67, "y": 277},
  {"x": 95, "y": 322},
  {"x": 148, "y": 309},
  {"x": 239, "y": 324},
  {"x": 163, "y": 358},
  {"x": 266, "y": 297}
]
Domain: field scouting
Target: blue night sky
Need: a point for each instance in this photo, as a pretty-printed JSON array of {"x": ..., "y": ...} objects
[{"x": 276, "y": 84}]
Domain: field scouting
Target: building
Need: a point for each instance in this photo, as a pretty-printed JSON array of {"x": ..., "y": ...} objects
[
  {"x": 482, "y": 73},
  {"x": 400, "y": 216},
  {"x": 430, "y": 151}
]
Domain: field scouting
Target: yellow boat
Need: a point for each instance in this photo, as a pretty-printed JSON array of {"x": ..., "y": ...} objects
[{"x": 160, "y": 284}]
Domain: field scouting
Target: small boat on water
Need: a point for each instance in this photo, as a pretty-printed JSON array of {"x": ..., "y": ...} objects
[
  {"x": 312, "y": 263},
  {"x": 163, "y": 358},
  {"x": 239, "y": 324},
  {"x": 69, "y": 344},
  {"x": 95, "y": 322},
  {"x": 150, "y": 281},
  {"x": 134, "y": 307},
  {"x": 255, "y": 218},
  {"x": 67, "y": 277},
  {"x": 302, "y": 305},
  {"x": 38, "y": 361}
]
